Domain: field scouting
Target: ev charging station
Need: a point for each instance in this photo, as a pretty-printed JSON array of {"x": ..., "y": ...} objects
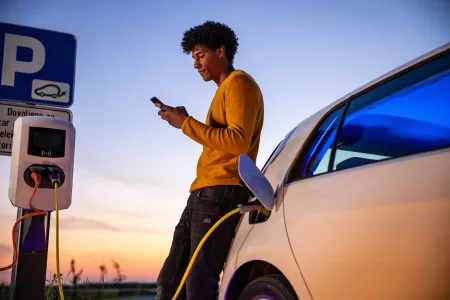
[
  {"x": 45, "y": 146},
  {"x": 37, "y": 75}
]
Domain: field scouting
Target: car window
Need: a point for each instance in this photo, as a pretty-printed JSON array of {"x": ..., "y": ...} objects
[
  {"x": 408, "y": 116},
  {"x": 405, "y": 115},
  {"x": 316, "y": 159}
]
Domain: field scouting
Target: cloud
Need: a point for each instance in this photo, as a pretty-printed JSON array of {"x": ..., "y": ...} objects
[
  {"x": 5, "y": 249},
  {"x": 6, "y": 254},
  {"x": 128, "y": 177},
  {"x": 4, "y": 217},
  {"x": 122, "y": 212},
  {"x": 5, "y": 276},
  {"x": 85, "y": 223},
  {"x": 92, "y": 184}
]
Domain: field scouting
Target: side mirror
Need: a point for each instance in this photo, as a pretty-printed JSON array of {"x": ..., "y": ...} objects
[{"x": 256, "y": 182}]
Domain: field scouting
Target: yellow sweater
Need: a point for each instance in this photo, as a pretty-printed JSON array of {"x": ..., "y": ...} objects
[{"x": 233, "y": 126}]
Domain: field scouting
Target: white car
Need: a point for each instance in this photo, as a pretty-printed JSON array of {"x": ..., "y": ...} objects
[{"x": 359, "y": 198}]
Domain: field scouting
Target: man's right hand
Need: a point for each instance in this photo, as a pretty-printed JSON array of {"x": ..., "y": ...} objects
[{"x": 175, "y": 116}]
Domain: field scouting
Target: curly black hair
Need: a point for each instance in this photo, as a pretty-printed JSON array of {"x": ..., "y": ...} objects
[{"x": 213, "y": 35}]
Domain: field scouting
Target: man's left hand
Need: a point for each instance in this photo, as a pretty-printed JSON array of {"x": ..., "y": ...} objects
[{"x": 175, "y": 116}]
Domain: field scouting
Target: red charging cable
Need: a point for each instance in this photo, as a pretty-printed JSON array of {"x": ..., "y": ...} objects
[{"x": 37, "y": 181}]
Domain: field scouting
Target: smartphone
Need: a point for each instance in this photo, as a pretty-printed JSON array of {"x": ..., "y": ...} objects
[{"x": 156, "y": 101}]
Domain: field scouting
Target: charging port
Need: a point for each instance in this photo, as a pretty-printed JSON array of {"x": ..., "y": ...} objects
[{"x": 47, "y": 173}]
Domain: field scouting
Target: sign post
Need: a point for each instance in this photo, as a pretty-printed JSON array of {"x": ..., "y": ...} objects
[{"x": 37, "y": 77}]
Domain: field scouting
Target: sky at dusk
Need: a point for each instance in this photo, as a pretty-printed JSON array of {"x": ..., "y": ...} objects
[{"x": 132, "y": 170}]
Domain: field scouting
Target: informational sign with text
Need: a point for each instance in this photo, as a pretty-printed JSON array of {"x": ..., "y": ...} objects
[{"x": 9, "y": 113}]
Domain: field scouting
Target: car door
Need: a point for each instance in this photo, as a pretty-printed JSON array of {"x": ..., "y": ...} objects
[{"x": 367, "y": 200}]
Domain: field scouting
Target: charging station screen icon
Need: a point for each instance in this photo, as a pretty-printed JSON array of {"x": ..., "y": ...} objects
[{"x": 46, "y": 142}]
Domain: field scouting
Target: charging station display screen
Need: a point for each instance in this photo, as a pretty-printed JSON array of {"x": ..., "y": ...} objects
[{"x": 46, "y": 142}]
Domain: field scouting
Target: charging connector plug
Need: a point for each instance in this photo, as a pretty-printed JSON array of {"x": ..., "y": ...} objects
[
  {"x": 36, "y": 174},
  {"x": 253, "y": 206},
  {"x": 54, "y": 175},
  {"x": 37, "y": 177},
  {"x": 249, "y": 208},
  {"x": 37, "y": 169}
]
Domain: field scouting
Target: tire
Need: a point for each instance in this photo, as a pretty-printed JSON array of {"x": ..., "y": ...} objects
[{"x": 270, "y": 287}]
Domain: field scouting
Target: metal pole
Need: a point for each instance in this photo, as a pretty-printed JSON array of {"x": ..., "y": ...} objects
[{"x": 28, "y": 275}]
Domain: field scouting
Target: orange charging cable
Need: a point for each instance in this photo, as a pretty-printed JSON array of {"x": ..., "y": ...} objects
[{"x": 37, "y": 181}]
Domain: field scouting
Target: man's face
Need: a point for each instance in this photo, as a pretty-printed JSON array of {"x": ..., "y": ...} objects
[{"x": 209, "y": 63}]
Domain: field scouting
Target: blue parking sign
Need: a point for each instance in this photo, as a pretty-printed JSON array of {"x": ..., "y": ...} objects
[{"x": 37, "y": 66}]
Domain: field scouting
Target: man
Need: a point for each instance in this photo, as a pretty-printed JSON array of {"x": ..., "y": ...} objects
[{"x": 233, "y": 126}]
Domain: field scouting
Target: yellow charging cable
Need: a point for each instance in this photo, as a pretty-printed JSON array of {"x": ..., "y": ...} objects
[
  {"x": 234, "y": 211},
  {"x": 58, "y": 273}
]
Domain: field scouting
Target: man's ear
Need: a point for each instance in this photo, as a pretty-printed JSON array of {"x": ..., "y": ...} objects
[{"x": 221, "y": 52}]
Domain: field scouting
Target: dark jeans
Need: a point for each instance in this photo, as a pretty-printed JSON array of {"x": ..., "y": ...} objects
[{"x": 204, "y": 208}]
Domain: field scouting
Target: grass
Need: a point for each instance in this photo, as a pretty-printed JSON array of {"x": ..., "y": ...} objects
[
  {"x": 4, "y": 291},
  {"x": 88, "y": 291},
  {"x": 84, "y": 290}
]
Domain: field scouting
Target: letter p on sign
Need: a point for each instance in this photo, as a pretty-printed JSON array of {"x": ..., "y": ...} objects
[{"x": 11, "y": 65}]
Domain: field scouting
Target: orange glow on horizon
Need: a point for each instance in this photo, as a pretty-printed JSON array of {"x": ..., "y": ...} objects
[{"x": 139, "y": 255}]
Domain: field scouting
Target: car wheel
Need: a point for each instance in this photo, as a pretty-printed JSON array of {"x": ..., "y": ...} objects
[{"x": 271, "y": 287}]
